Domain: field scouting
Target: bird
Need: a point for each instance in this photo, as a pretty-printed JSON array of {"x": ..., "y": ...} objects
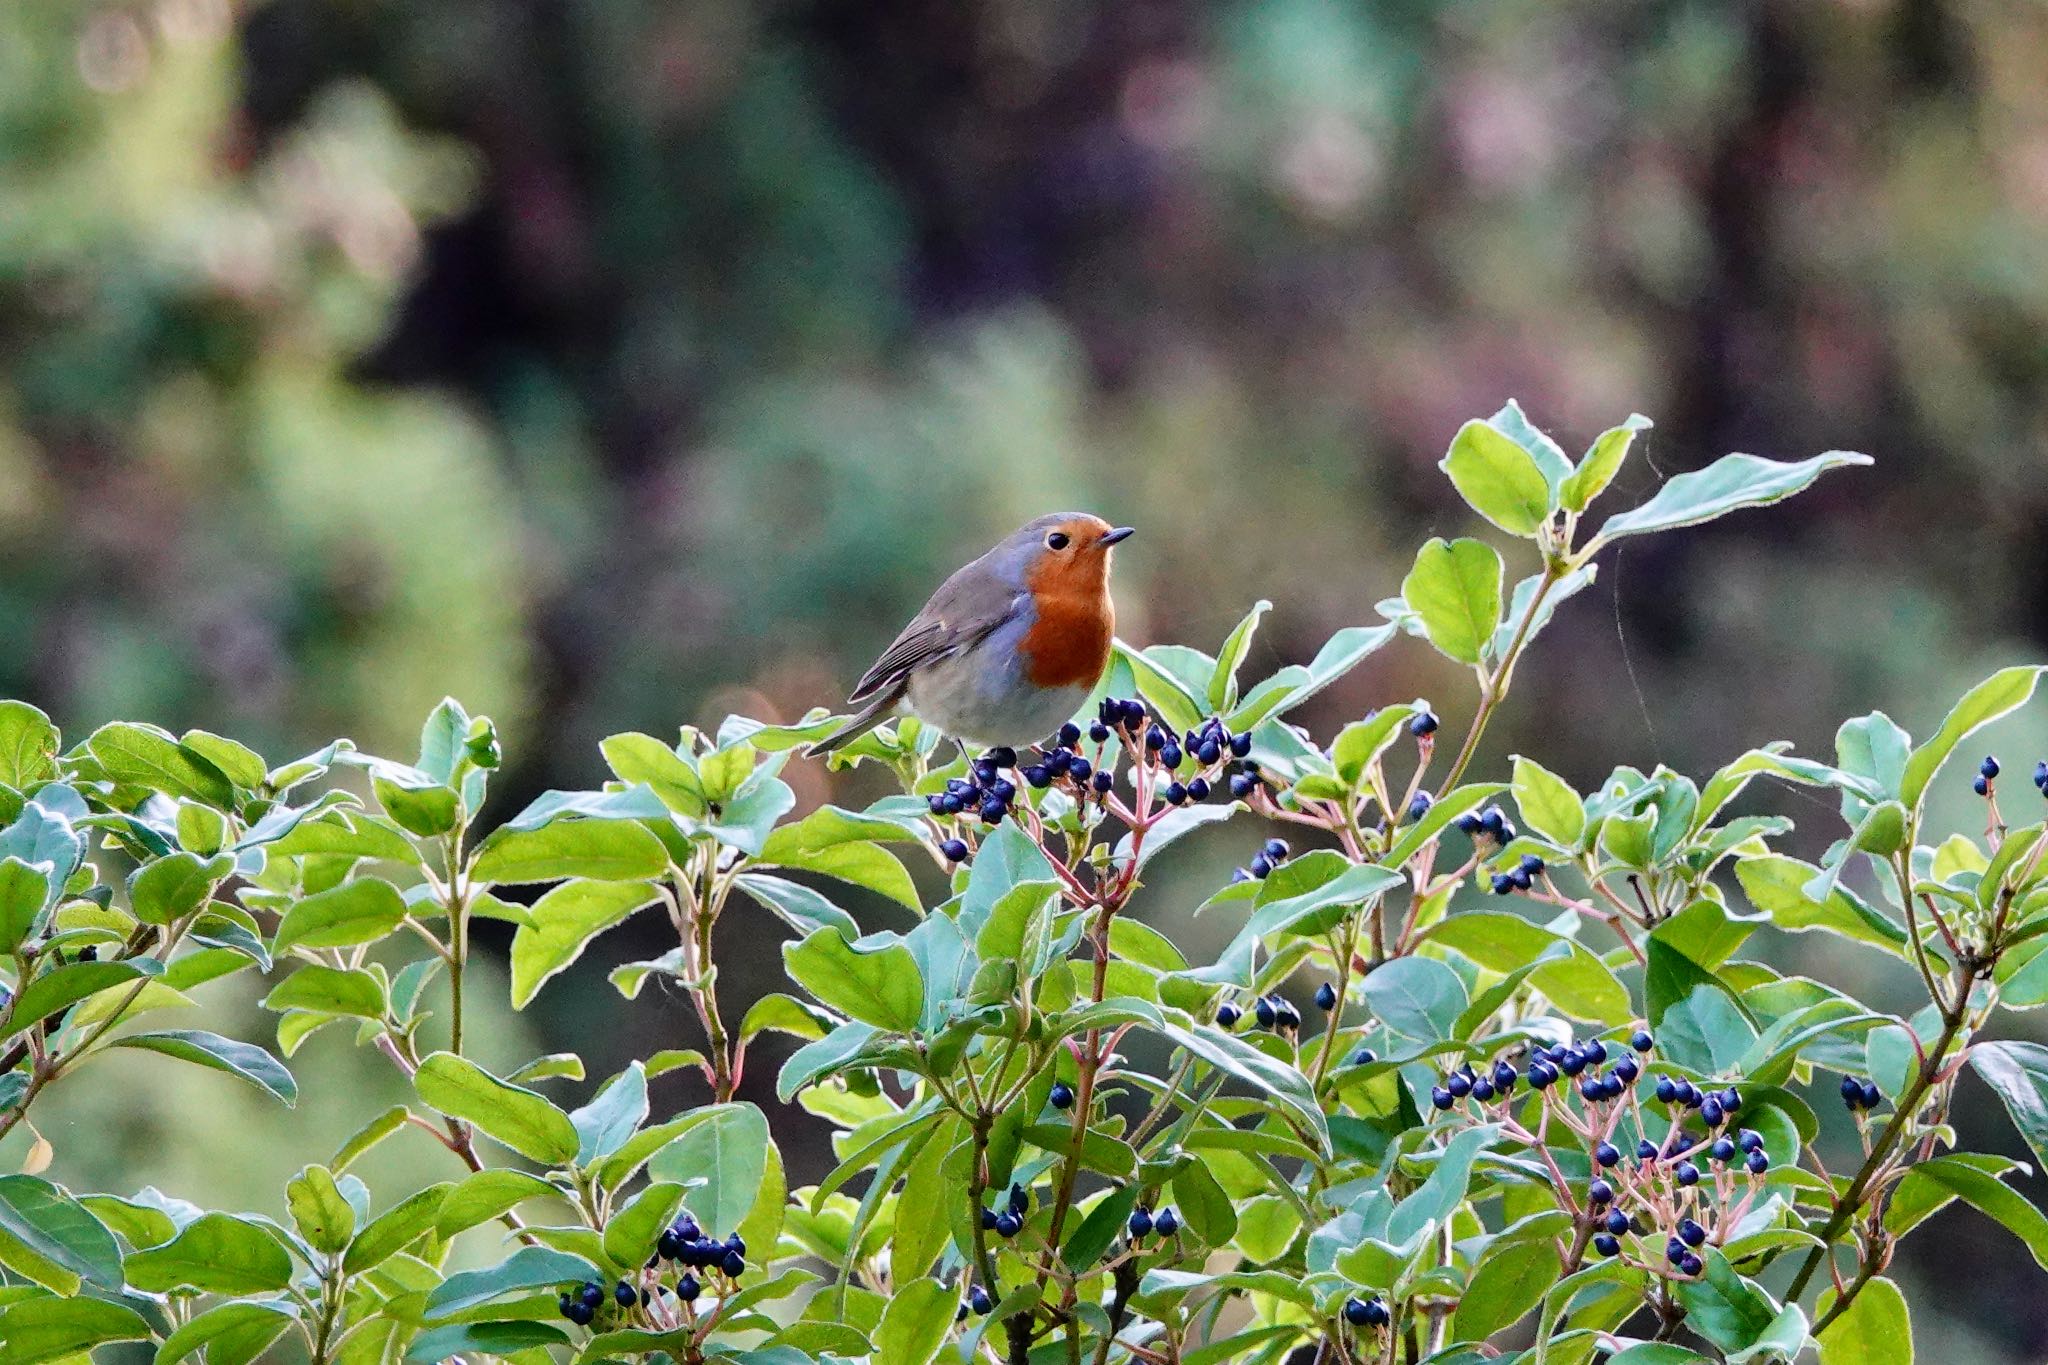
[{"x": 1008, "y": 648}]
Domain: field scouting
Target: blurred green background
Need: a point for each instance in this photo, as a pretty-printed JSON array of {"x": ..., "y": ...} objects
[{"x": 613, "y": 365}]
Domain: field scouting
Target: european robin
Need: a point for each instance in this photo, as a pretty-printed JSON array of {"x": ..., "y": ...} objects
[{"x": 1009, "y": 647}]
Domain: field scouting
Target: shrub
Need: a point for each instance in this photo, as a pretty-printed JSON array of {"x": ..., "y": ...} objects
[{"x": 1482, "y": 1063}]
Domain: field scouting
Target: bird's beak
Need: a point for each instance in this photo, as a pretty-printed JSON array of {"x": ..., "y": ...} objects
[{"x": 1110, "y": 538}]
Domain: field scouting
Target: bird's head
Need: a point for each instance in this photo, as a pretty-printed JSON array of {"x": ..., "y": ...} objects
[{"x": 1067, "y": 552}]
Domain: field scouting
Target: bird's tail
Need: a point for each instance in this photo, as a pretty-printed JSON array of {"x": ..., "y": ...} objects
[{"x": 862, "y": 721}]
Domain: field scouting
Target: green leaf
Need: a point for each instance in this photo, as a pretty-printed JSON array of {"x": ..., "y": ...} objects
[
  {"x": 172, "y": 887},
  {"x": 727, "y": 1152},
  {"x": 322, "y": 1216},
  {"x": 846, "y": 846},
  {"x": 644, "y": 759},
  {"x": 2004, "y": 691},
  {"x": 1930, "y": 1184},
  {"x": 28, "y": 745},
  {"x": 1730, "y": 483},
  {"x": 607, "y": 850},
  {"x": 1223, "y": 682},
  {"x": 51, "y": 1238},
  {"x": 397, "y": 1228},
  {"x": 1359, "y": 744},
  {"x": 329, "y": 990},
  {"x": 1514, "y": 424},
  {"x": 1875, "y": 1329},
  {"x": 915, "y": 1324},
  {"x": 1104, "y": 1223},
  {"x": 603, "y": 1125},
  {"x": 874, "y": 980},
  {"x": 513, "y": 1115},
  {"x": 1499, "y": 478},
  {"x": 565, "y": 920},
  {"x": 484, "y": 1195},
  {"x": 246, "y": 1060},
  {"x": 1699, "y": 1022},
  {"x": 2019, "y": 1073},
  {"x": 630, "y": 1233},
  {"x": 1204, "y": 1206},
  {"x": 1417, "y": 997},
  {"x": 525, "y": 1269},
  {"x": 1723, "y": 1307},
  {"x": 1445, "y": 1190},
  {"x": 802, "y": 908},
  {"x": 64, "y": 987},
  {"x": 1455, "y": 587},
  {"x": 361, "y": 911},
  {"x": 24, "y": 895},
  {"x": 1240, "y": 1060},
  {"x": 507, "y": 1340},
  {"x": 215, "y": 1254},
  {"x": 144, "y": 756},
  {"x": 1777, "y": 886},
  {"x": 1507, "y": 1286},
  {"x": 36, "y": 1330},
  {"x": 230, "y": 1333},
  {"x": 1548, "y": 804},
  {"x": 1601, "y": 463}
]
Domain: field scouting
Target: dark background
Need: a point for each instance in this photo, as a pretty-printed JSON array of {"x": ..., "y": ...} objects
[{"x": 614, "y": 365}]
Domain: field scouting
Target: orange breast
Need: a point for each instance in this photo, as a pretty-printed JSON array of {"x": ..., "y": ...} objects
[{"x": 1068, "y": 645}]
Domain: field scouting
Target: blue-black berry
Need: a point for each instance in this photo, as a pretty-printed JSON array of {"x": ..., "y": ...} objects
[
  {"x": 1070, "y": 734},
  {"x": 980, "y": 1302},
  {"x": 1242, "y": 785},
  {"x": 1642, "y": 1041},
  {"x": 955, "y": 850},
  {"x": 624, "y": 1295},
  {"x": 1169, "y": 757},
  {"x": 1872, "y": 1097},
  {"x": 1710, "y": 1110},
  {"x": 1482, "y": 1090},
  {"x": 1691, "y": 1264},
  {"x": 1365, "y": 1056},
  {"x": 1276, "y": 849},
  {"x": 1228, "y": 1014},
  {"x": 1599, "y": 1194},
  {"x": 1459, "y": 1084},
  {"x": 1418, "y": 805},
  {"x": 1262, "y": 866},
  {"x": 1441, "y": 1098},
  {"x": 1198, "y": 789},
  {"x": 1165, "y": 1223},
  {"x": 1038, "y": 775},
  {"x": 1008, "y": 1224},
  {"x": 1617, "y": 1222},
  {"x": 1607, "y": 1154},
  {"x": 1988, "y": 768},
  {"x": 1751, "y": 1140},
  {"x": 687, "y": 1287},
  {"x": 1607, "y": 1245},
  {"x": 1687, "y": 1173},
  {"x": 1062, "y": 1096},
  {"x": 1757, "y": 1162},
  {"x": 591, "y": 1294},
  {"x": 1981, "y": 786},
  {"x": 1098, "y": 732},
  {"x": 1355, "y": 1312},
  {"x": 1467, "y": 824},
  {"x": 1691, "y": 1233},
  {"x": 1423, "y": 725},
  {"x": 1503, "y": 884},
  {"x": 1240, "y": 746},
  {"x": 1263, "y": 1011},
  {"x": 1722, "y": 1150},
  {"x": 1140, "y": 1224},
  {"x": 1326, "y": 997},
  {"x": 1646, "y": 1150},
  {"x": 1102, "y": 781},
  {"x": 735, "y": 1264},
  {"x": 1667, "y": 1090}
]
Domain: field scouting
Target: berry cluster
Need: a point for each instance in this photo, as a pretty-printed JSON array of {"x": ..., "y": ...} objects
[
  {"x": 1491, "y": 823},
  {"x": 1208, "y": 747},
  {"x": 1264, "y": 861},
  {"x": 1271, "y": 1011},
  {"x": 1662, "y": 1185},
  {"x": 1520, "y": 877},
  {"x": 1009, "y": 1221},
  {"x": 1860, "y": 1095},
  {"x": 1367, "y": 1312},
  {"x": 581, "y": 1304},
  {"x": 1986, "y": 780},
  {"x": 1144, "y": 1223}
]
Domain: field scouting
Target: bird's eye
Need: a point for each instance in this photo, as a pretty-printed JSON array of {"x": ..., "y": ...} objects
[{"x": 1056, "y": 541}]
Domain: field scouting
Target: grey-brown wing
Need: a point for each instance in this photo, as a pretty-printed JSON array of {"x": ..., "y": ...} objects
[{"x": 962, "y": 613}]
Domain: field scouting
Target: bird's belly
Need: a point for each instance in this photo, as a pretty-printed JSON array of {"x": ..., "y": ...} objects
[{"x": 973, "y": 697}]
